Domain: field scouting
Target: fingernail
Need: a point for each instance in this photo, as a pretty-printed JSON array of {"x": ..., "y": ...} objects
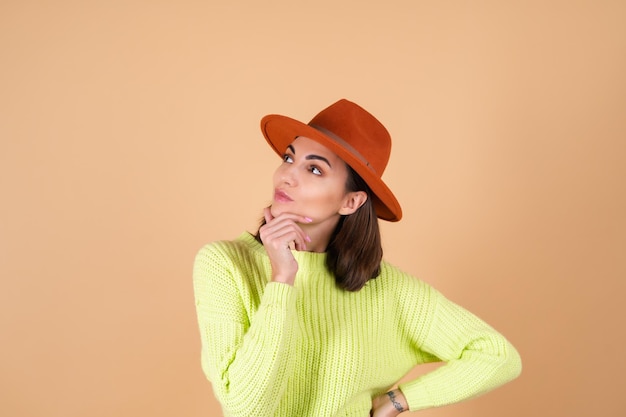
[
  {"x": 308, "y": 239},
  {"x": 308, "y": 219}
]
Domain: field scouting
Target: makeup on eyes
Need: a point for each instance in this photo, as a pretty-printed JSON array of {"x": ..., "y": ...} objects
[{"x": 312, "y": 157}]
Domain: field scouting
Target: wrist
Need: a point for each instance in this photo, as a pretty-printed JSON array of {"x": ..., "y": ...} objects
[
  {"x": 397, "y": 400},
  {"x": 284, "y": 279}
]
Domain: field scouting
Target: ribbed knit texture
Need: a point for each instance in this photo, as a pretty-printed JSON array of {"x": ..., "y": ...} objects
[{"x": 314, "y": 350}]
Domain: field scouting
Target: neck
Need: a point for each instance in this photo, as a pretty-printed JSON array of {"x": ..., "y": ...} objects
[{"x": 320, "y": 234}]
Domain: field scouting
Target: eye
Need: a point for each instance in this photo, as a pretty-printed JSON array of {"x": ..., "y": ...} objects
[
  {"x": 287, "y": 158},
  {"x": 315, "y": 170}
]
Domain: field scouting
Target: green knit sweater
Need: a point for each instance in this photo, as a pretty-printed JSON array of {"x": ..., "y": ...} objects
[{"x": 313, "y": 350}]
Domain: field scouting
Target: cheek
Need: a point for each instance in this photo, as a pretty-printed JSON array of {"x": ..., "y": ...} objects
[
  {"x": 328, "y": 198},
  {"x": 276, "y": 174},
  {"x": 278, "y": 177}
]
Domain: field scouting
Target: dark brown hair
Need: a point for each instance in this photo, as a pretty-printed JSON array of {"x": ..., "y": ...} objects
[{"x": 355, "y": 251}]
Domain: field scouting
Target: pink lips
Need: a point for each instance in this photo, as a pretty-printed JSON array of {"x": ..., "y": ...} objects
[{"x": 281, "y": 197}]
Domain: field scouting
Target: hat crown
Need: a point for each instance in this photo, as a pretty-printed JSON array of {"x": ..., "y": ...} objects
[{"x": 365, "y": 136}]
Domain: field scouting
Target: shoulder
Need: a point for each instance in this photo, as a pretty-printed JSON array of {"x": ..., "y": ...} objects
[
  {"x": 225, "y": 278},
  {"x": 405, "y": 288},
  {"x": 242, "y": 247},
  {"x": 395, "y": 277},
  {"x": 230, "y": 257},
  {"x": 235, "y": 264}
]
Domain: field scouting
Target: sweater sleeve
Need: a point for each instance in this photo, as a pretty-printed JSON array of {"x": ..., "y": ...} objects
[
  {"x": 478, "y": 358},
  {"x": 246, "y": 356}
]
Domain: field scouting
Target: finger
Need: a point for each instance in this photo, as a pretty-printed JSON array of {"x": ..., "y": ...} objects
[
  {"x": 299, "y": 246},
  {"x": 294, "y": 217},
  {"x": 284, "y": 237},
  {"x": 267, "y": 213},
  {"x": 282, "y": 224},
  {"x": 298, "y": 220}
]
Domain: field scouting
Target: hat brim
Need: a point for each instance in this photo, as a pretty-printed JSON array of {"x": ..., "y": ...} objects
[{"x": 280, "y": 131}]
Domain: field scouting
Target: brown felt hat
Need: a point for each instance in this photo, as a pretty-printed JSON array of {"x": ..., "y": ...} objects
[{"x": 354, "y": 135}]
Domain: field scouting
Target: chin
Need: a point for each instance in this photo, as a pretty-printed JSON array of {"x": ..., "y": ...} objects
[{"x": 277, "y": 209}]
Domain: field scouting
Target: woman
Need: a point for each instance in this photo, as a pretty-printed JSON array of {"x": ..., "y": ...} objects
[{"x": 306, "y": 319}]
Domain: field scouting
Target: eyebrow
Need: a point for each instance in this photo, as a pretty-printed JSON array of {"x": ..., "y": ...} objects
[{"x": 310, "y": 157}]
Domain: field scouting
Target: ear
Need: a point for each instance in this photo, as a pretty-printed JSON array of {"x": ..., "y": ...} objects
[{"x": 352, "y": 202}]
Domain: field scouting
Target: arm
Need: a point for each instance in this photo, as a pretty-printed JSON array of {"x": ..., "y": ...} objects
[
  {"x": 478, "y": 358},
  {"x": 245, "y": 358},
  {"x": 389, "y": 404}
]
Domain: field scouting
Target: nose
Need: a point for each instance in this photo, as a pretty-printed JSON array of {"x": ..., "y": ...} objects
[{"x": 287, "y": 175}]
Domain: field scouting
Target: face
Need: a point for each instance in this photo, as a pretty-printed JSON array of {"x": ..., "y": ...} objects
[{"x": 311, "y": 181}]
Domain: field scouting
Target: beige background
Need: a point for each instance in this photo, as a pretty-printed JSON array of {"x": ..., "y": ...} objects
[{"x": 129, "y": 138}]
